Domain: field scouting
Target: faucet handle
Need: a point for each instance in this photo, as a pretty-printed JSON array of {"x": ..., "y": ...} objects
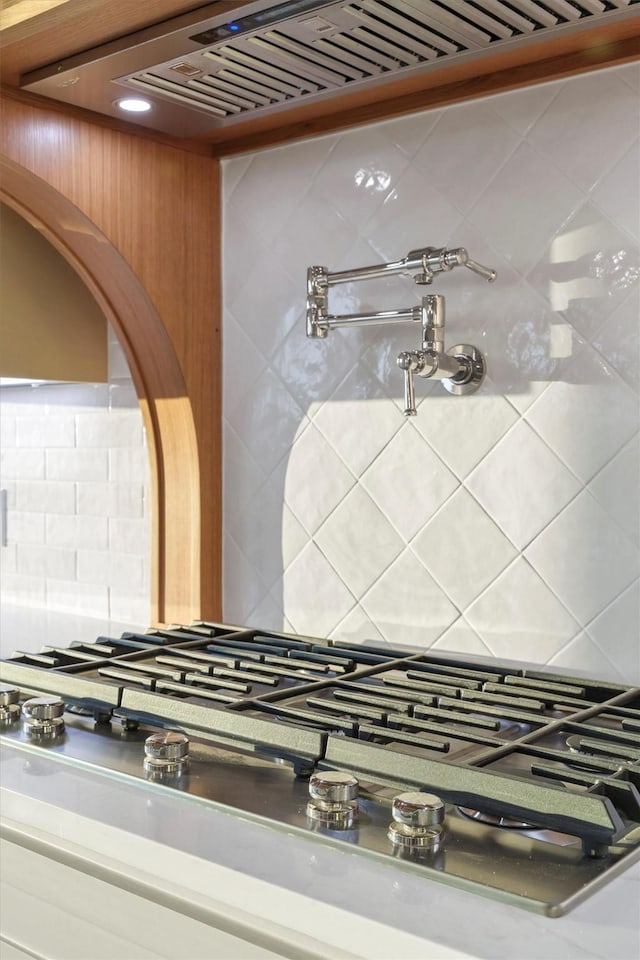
[
  {"x": 485, "y": 272},
  {"x": 410, "y": 361},
  {"x": 460, "y": 256}
]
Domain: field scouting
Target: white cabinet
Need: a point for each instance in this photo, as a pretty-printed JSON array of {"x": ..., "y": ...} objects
[{"x": 53, "y": 911}]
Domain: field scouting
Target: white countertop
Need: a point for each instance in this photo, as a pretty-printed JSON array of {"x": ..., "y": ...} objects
[{"x": 285, "y": 889}]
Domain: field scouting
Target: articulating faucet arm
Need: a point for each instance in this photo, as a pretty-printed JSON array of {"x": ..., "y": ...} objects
[{"x": 461, "y": 368}]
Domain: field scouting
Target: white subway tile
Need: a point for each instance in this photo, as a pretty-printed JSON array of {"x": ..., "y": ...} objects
[
  {"x": 7, "y": 430},
  {"x": 111, "y": 429},
  {"x": 81, "y": 598},
  {"x": 114, "y": 569},
  {"x": 8, "y": 560},
  {"x": 110, "y": 499},
  {"x": 88, "y": 532},
  {"x": 129, "y": 536},
  {"x": 25, "y": 527},
  {"x": 77, "y": 464},
  {"x": 126, "y": 465},
  {"x": 46, "y": 561},
  {"x": 52, "y": 430},
  {"x": 129, "y": 606},
  {"x": 22, "y": 464},
  {"x": 22, "y": 589},
  {"x": 46, "y": 496}
]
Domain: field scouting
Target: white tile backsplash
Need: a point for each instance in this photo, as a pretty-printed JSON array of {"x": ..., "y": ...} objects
[
  {"x": 75, "y": 465},
  {"x": 506, "y": 522}
]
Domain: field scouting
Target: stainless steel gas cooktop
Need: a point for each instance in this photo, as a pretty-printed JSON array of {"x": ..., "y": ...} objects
[{"x": 514, "y": 783}]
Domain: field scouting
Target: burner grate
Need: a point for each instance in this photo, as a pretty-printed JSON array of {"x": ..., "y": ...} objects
[{"x": 559, "y": 752}]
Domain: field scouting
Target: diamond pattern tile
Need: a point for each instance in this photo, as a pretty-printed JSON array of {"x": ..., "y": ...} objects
[
  {"x": 315, "y": 598},
  {"x": 520, "y": 618},
  {"x": 619, "y": 340},
  {"x": 237, "y": 344},
  {"x": 266, "y": 531},
  {"x": 267, "y": 320},
  {"x": 316, "y": 480},
  {"x": 462, "y": 433},
  {"x": 599, "y": 414},
  {"x": 408, "y": 135},
  {"x": 268, "y": 417},
  {"x": 521, "y": 112},
  {"x": 463, "y": 565},
  {"x": 593, "y": 662},
  {"x": 493, "y": 214},
  {"x": 359, "y": 172},
  {"x": 357, "y": 627},
  {"x": 358, "y": 420},
  {"x": 398, "y": 225},
  {"x": 410, "y": 465},
  {"x": 329, "y": 242},
  {"x": 522, "y": 485},
  {"x": 616, "y": 633},
  {"x": 358, "y": 541},
  {"x": 242, "y": 476},
  {"x": 407, "y": 605},
  {"x": 312, "y": 368},
  {"x": 326, "y": 482},
  {"x": 584, "y": 558},
  {"x": 462, "y": 638},
  {"x": 616, "y": 489},
  {"x": 620, "y": 204},
  {"x": 588, "y": 270},
  {"x": 583, "y": 116},
  {"x": 444, "y": 157},
  {"x": 241, "y": 585},
  {"x": 267, "y": 210}
]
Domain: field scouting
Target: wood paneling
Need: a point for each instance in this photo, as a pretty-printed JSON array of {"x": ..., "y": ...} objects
[{"x": 159, "y": 208}]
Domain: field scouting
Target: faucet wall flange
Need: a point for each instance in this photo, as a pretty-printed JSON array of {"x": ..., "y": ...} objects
[{"x": 470, "y": 380}]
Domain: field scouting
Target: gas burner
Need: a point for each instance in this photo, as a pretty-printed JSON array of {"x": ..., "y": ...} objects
[
  {"x": 265, "y": 712},
  {"x": 494, "y": 820}
]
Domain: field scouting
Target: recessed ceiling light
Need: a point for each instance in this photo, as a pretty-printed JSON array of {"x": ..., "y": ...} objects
[{"x": 133, "y": 105}]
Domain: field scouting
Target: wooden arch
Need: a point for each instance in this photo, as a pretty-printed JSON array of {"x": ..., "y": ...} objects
[{"x": 156, "y": 373}]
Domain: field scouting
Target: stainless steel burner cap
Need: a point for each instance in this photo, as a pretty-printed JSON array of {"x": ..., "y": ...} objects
[
  {"x": 9, "y": 705},
  {"x": 418, "y": 809},
  {"x": 417, "y": 821},
  {"x": 43, "y": 716},
  {"x": 333, "y": 800},
  {"x": 166, "y": 753},
  {"x": 333, "y": 786}
]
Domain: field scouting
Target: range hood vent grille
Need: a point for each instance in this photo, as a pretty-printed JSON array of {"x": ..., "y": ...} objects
[{"x": 274, "y": 56}]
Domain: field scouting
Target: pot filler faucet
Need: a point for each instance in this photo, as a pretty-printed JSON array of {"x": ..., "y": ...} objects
[{"x": 461, "y": 368}]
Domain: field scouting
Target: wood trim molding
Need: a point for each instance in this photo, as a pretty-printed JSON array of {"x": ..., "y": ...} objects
[{"x": 156, "y": 373}]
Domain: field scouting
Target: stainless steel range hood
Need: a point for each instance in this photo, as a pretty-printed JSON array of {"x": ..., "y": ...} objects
[{"x": 213, "y": 69}]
